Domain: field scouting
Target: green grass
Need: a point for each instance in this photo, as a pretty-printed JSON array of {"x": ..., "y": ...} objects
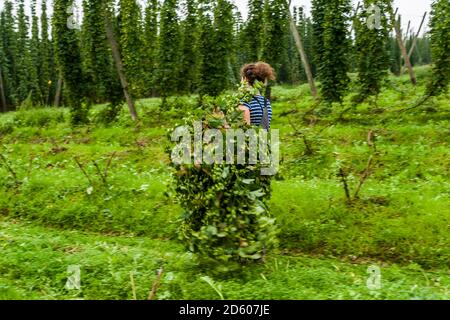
[
  {"x": 52, "y": 217},
  {"x": 34, "y": 264}
]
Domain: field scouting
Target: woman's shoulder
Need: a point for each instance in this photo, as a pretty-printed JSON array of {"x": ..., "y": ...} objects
[{"x": 260, "y": 98}]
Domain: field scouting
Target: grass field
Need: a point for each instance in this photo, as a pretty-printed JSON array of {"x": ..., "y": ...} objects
[{"x": 122, "y": 228}]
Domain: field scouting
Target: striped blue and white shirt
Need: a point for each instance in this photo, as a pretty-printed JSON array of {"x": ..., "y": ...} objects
[{"x": 256, "y": 107}]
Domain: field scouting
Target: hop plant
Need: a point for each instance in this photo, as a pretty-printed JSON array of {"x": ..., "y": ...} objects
[{"x": 226, "y": 216}]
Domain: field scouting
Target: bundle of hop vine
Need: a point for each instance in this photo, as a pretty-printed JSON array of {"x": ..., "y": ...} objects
[{"x": 226, "y": 216}]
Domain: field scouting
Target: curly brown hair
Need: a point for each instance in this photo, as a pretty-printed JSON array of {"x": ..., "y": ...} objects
[{"x": 259, "y": 71}]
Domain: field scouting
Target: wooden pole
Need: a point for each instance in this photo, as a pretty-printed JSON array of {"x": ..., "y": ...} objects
[
  {"x": 301, "y": 50},
  {"x": 399, "y": 36},
  {"x": 414, "y": 43},
  {"x": 119, "y": 66},
  {"x": 417, "y": 35},
  {"x": 355, "y": 16},
  {"x": 58, "y": 91},
  {"x": 407, "y": 32},
  {"x": 2, "y": 92}
]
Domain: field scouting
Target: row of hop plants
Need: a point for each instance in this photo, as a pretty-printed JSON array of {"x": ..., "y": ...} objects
[{"x": 225, "y": 206}]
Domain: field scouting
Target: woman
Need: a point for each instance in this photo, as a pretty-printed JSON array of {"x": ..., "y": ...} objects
[{"x": 257, "y": 112}]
